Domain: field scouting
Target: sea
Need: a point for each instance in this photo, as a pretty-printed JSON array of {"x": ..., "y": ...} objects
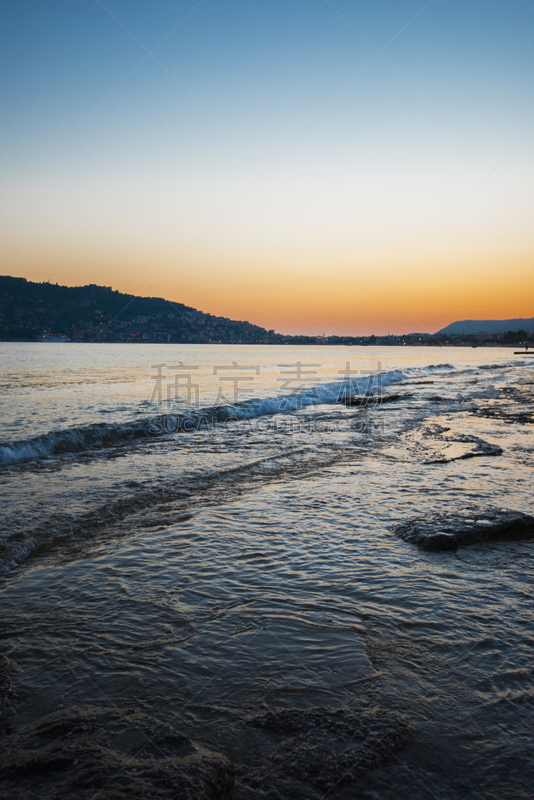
[{"x": 207, "y": 531}]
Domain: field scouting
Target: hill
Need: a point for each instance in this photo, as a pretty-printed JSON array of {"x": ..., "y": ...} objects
[
  {"x": 98, "y": 313},
  {"x": 471, "y": 326}
]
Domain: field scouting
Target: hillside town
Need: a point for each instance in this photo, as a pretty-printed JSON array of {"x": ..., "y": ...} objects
[{"x": 31, "y": 311}]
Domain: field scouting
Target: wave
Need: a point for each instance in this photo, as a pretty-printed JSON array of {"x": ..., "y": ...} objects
[
  {"x": 505, "y": 364},
  {"x": 430, "y": 368},
  {"x": 70, "y": 440},
  {"x": 156, "y": 504},
  {"x": 101, "y": 435}
]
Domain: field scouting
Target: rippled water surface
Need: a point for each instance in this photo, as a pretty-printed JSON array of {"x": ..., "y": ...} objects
[{"x": 248, "y": 561}]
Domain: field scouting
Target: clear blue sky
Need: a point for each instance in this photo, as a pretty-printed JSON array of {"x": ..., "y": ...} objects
[{"x": 270, "y": 143}]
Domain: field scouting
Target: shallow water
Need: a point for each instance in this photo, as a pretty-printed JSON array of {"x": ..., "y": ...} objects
[{"x": 250, "y": 563}]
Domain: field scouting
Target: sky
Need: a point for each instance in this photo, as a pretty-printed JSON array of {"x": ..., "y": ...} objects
[{"x": 312, "y": 166}]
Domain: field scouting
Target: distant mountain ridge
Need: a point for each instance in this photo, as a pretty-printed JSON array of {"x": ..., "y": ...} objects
[
  {"x": 94, "y": 313},
  {"x": 488, "y": 326},
  {"x": 99, "y": 313}
]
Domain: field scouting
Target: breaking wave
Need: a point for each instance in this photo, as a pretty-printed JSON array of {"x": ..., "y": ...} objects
[
  {"x": 101, "y": 435},
  {"x": 70, "y": 440}
]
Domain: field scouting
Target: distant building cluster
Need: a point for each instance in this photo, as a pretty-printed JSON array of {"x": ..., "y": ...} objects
[
  {"x": 191, "y": 326},
  {"x": 30, "y": 311},
  {"x": 99, "y": 314}
]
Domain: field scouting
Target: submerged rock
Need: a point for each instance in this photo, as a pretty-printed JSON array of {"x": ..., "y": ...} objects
[
  {"x": 513, "y": 406},
  {"x": 332, "y": 747},
  {"x": 436, "y": 444},
  {"x": 86, "y": 753},
  {"x": 447, "y": 531},
  {"x": 8, "y": 668},
  {"x": 460, "y": 447},
  {"x": 372, "y": 399}
]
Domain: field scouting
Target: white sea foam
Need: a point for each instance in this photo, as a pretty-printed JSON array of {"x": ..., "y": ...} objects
[{"x": 76, "y": 440}]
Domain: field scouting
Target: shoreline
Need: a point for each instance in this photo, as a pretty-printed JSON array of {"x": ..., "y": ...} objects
[{"x": 279, "y": 344}]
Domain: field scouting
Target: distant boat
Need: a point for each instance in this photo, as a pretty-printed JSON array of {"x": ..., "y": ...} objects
[{"x": 53, "y": 337}]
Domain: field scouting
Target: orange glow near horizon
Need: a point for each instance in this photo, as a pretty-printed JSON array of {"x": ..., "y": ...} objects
[
  {"x": 320, "y": 298},
  {"x": 288, "y": 176}
]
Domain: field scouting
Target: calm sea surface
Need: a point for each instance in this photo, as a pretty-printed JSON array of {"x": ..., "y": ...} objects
[{"x": 202, "y": 531}]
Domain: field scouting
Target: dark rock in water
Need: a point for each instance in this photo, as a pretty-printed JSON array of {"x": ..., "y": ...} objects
[
  {"x": 371, "y": 399},
  {"x": 86, "y": 753},
  {"x": 7, "y": 669},
  {"x": 435, "y": 444},
  {"x": 461, "y": 447},
  {"x": 332, "y": 747},
  {"x": 514, "y": 405},
  {"x": 446, "y": 531}
]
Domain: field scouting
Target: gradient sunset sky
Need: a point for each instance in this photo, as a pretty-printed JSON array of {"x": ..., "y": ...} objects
[{"x": 308, "y": 165}]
